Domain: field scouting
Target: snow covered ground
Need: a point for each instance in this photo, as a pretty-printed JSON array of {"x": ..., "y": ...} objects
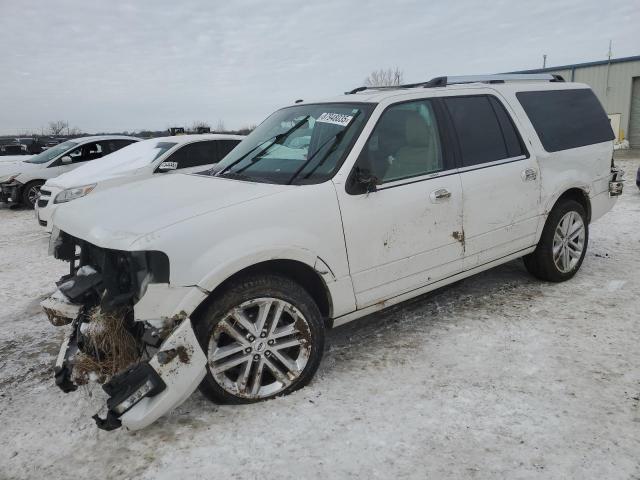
[{"x": 499, "y": 376}]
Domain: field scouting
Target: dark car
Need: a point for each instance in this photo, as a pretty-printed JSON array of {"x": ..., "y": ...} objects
[
  {"x": 14, "y": 149},
  {"x": 638, "y": 178}
]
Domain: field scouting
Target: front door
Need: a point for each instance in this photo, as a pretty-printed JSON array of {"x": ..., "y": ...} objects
[{"x": 405, "y": 234}]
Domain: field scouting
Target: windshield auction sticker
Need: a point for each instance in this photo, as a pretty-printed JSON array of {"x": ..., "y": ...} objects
[{"x": 335, "y": 118}]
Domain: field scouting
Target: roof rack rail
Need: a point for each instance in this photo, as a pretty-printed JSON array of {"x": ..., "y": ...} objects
[
  {"x": 444, "y": 81},
  {"x": 500, "y": 78}
]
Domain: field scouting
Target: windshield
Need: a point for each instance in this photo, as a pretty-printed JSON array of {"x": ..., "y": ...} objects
[
  {"x": 52, "y": 152},
  {"x": 138, "y": 154},
  {"x": 299, "y": 144}
]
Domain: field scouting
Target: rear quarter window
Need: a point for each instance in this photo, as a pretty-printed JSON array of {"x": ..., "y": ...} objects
[{"x": 565, "y": 119}]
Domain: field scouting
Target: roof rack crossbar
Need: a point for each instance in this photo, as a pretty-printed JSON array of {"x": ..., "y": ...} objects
[{"x": 444, "y": 81}]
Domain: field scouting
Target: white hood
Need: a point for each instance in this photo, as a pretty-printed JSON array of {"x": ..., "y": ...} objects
[
  {"x": 125, "y": 162},
  {"x": 17, "y": 166},
  {"x": 117, "y": 217},
  {"x": 13, "y": 158}
]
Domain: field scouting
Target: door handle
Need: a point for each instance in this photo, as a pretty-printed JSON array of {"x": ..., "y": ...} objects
[
  {"x": 529, "y": 174},
  {"x": 440, "y": 195}
]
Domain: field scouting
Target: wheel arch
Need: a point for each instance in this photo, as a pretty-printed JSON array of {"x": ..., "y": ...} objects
[
  {"x": 300, "y": 272},
  {"x": 579, "y": 195},
  {"x": 27, "y": 184}
]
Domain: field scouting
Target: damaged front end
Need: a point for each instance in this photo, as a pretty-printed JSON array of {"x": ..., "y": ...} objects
[{"x": 146, "y": 365}]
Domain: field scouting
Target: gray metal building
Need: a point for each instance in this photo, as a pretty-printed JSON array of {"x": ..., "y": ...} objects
[{"x": 616, "y": 82}]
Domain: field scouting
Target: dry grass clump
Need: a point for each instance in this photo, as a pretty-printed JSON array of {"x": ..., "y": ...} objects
[{"x": 110, "y": 347}]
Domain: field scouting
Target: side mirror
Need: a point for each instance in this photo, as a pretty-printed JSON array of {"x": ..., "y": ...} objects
[
  {"x": 66, "y": 160},
  {"x": 166, "y": 166},
  {"x": 364, "y": 181}
]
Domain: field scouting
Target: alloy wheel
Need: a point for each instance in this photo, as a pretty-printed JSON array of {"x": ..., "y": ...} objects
[
  {"x": 259, "y": 348},
  {"x": 33, "y": 193},
  {"x": 568, "y": 241}
]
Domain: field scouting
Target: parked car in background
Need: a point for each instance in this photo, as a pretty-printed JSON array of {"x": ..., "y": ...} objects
[
  {"x": 176, "y": 154},
  {"x": 638, "y": 178},
  {"x": 328, "y": 211},
  {"x": 20, "y": 180},
  {"x": 14, "y": 149}
]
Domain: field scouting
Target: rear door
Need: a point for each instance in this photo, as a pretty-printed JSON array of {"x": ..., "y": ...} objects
[
  {"x": 401, "y": 236},
  {"x": 500, "y": 179}
]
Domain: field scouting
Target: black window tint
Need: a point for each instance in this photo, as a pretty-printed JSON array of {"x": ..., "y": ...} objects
[
  {"x": 566, "y": 118},
  {"x": 86, "y": 152},
  {"x": 111, "y": 146},
  {"x": 405, "y": 143},
  {"x": 195, "y": 155},
  {"x": 225, "y": 146},
  {"x": 512, "y": 140},
  {"x": 479, "y": 133}
]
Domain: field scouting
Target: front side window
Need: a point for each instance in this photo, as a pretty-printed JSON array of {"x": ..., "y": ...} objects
[
  {"x": 195, "y": 155},
  {"x": 86, "y": 152},
  {"x": 225, "y": 146},
  {"x": 300, "y": 144},
  {"x": 404, "y": 143}
]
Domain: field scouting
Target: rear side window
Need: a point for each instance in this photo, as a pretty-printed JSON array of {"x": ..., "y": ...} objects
[
  {"x": 484, "y": 130},
  {"x": 566, "y": 119},
  {"x": 113, "y": 145}
]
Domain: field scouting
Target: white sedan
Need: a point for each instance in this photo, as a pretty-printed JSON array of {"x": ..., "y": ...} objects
[
  {"x": 182, "y": 153},
  {"x": 22, "y": 177}
]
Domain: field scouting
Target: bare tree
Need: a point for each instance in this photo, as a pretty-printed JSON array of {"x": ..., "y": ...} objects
[
  {"x": 389, "y": 77},
  {"x": 247, "y": 129},
  {"x": 58, "y": 127},
  {"x": 220, "y": 126},
  {"x": 200, "y": 125},
  {"x": 74, "y": 131}
]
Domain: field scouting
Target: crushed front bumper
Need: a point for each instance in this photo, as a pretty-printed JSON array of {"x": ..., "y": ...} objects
[
  {"x": 146, "y": 390},
  {"x": 10, "y": 192}
]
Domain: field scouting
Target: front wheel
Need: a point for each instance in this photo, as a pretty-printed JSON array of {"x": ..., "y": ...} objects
[
  {"x": 562, "y": 245},
  {"x": 263, "y": 337},
  {"x": 30, "y": 193}
]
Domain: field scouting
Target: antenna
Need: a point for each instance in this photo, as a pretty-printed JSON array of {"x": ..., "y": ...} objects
[
  {"x": 544, "y": 60},
  {"x": 607, "y": 87}
]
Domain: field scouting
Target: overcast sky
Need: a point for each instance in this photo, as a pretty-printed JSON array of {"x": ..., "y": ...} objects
[{"x": 115, "y": 65}]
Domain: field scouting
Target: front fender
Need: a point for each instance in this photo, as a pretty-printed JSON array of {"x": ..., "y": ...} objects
[{"x": 229, "y": 266}]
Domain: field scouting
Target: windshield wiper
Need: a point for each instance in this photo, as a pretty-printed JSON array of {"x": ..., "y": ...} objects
[
  {"x": 248, "y": 178},
  {"x": 275, "y": 139},
  {"x": 336, "y": 138}
]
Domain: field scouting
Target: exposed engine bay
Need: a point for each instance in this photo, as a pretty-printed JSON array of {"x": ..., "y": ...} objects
[{"x": 145, "y": 366}]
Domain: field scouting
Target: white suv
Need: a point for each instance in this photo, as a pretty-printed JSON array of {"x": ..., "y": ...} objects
[
  {"x": 20, "y": 180},
  {"x": 328, "y": 211},
  {"x": 175, "y": 154}
]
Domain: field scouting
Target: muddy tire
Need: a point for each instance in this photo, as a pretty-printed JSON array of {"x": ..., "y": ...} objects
[
  {"x": 263, "y": 337},
  {"x": 562, "y": 245},
  {"x": 30, "y": 193}
]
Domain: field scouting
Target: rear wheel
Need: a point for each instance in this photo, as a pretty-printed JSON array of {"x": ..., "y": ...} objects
[
  {"x": 562, "y": 245},
  {"x": 30, "y": 193},
  {"x": 263, "y": 337}
]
